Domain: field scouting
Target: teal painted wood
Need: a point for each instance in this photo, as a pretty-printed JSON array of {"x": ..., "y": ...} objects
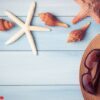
[
  {"x": 48, "y": 68},
  {"x": 20, "y": 7},
  {"x": 54, "y": 40},
  {"x": 41, "y": 92}
]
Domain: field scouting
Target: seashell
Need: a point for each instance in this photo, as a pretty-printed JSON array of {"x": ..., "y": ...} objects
[
  {"x": 5, "y": 25},
  {"x": 78, "y": 34},
  {"x": 51, "y": 20}
]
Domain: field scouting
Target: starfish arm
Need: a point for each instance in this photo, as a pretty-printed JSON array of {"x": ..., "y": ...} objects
[
  {"x": 96, "y": 18},
  {"x": 30, "y": 13},
  {"x": 15, "y": 37},
  {"x": 79, "y": 1},
  {"x": 31, "y": 42},
  {"x": 81, "y": 15},
  {"x": 37, "y": 28},
  {"x": 14, "y": 18}
]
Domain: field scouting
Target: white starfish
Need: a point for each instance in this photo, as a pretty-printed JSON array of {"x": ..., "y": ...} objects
[{"x": 26, "y": 27}]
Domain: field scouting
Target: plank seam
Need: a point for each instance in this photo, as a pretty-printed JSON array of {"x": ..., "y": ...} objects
[{"x": 42, "y": 85}]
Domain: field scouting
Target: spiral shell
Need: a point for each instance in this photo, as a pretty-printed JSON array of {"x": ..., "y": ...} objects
[
  {"x": 78, "y": 34},
  {"x": 5, "y": 25},
  {"x": 48, "y": 18},
  {"x": 51, "y": 20}
]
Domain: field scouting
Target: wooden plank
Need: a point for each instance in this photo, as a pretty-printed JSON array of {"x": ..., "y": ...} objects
[
  {"x": 54, "y": 40},
  {"x": 20, "y": 7},
  {"x": 41, "y": 92},
  {"x": 52, "y": 68}
]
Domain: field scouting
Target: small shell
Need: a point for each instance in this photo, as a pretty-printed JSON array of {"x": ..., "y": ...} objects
[
  {"x": 5, "y": 25},
  {"x": 78, "y": 35},
  {"x": 51, "y": 20}
]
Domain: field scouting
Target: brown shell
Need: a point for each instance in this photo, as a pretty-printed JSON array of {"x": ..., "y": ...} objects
[
  {"x": 78, "y": 34},
  {"x": 51, "y": 20},
  {"x": 5, "y": 25}
]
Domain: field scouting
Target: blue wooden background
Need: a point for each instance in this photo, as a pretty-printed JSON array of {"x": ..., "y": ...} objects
[{"x": 54, "y": 73}]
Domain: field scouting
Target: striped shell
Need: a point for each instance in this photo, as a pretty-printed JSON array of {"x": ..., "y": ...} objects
[{"x": 5, "y": 25}]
